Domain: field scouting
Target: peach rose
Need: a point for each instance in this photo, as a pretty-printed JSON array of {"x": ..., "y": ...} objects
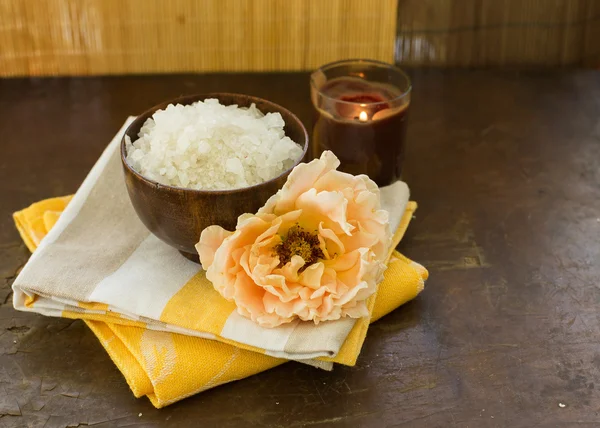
[{"x": 315, "y": 251}]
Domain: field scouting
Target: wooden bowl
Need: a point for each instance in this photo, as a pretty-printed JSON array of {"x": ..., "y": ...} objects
[{"x": 177, "y": 215}]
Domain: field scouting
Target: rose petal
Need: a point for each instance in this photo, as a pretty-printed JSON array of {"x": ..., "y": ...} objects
[
  {"x": 324, "y": 207},
  {"x": 311, "y": 277},
  {"x": 360, "y": 238},
  {"x": 248, "y": 295},
  {"x": 343, "y": 262},
  {"x": 334, "y": 243},
  {"x": 299, "y": 181},
  {"x": 351, "y": 294},
  {"x": 356, "y": 274},
  {"x": 358, "y": 311},
  {"x": 291, "y": 268},
  {"x": 211, "y": 239},
  {"x": 334, "y": 181}
]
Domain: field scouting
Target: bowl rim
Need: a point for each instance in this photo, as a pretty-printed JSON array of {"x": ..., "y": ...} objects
[{"x": 188, "y": 99}]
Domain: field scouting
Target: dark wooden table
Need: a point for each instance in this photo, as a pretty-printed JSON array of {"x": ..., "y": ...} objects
[{"x": 505, "y": 167}]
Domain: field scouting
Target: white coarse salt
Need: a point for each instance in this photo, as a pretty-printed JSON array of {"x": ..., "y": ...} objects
[{"x": 210, "y": 146}]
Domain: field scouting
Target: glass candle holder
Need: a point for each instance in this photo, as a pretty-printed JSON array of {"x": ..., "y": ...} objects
[{"x": 362, "y": 107}]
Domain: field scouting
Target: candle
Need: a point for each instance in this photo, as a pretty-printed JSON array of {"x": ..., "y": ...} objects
[{"x": 361, "y": 117}]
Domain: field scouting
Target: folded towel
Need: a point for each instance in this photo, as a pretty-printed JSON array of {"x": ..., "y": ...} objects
[
  {"x": 100, "y": 264},
  {"x": 168, "y": 367}
]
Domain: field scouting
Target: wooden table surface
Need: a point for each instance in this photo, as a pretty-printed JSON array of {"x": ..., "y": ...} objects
[{"x": 505, "y": 168}]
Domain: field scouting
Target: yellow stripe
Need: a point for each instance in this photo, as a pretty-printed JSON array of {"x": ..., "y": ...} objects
[
  {"x": 30, "y": 221},
  {"x": 127, "y": 363},
  {"x": 209, "y": 311}
]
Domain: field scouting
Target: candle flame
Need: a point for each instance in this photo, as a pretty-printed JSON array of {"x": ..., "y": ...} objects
[{"x": 362, "y": 116}]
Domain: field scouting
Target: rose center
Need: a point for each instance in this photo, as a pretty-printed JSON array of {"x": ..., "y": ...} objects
[{"x": 299, "y": 242}]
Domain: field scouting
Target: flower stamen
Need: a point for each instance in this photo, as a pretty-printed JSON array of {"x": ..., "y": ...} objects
[{"x": 299, "y": 242}]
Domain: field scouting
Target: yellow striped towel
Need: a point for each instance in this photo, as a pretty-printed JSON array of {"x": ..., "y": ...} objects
[{"x": 171, "y": 350}]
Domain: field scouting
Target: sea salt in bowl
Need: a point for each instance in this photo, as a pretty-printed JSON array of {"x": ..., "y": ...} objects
[{"x": 177, "y": 214}]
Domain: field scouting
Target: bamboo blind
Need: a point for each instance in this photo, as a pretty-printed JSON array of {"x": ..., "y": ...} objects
[
  {"x": 499, "y": 32},
  {"x": 80, "y": 37}
]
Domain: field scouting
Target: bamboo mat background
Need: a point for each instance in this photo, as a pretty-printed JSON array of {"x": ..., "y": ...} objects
[
  {"x": 79, "y": 37},
  {"x": 89, "y": 37}
]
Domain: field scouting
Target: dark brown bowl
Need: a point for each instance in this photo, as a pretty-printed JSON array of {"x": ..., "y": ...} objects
[{"x": 178, "y": 215}]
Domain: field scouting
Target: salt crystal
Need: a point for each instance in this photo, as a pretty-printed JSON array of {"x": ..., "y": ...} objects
[
  {"x": 183, "y": 143},
  {"x": 207, "y": 145},
  {"x": 203, "y": 148},
  {"x": 235, "y": 166}
]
